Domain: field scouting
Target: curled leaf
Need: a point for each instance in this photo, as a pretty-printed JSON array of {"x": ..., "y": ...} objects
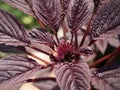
[
  {"x": 73, "y": 76},
  {"x": 11, "y": 31},
  {"x": 49, "y": 12},
  {"x": 79, "y": 13},
  {"x": 14, "y": 70},
  {"x": 106, "y": 22}
]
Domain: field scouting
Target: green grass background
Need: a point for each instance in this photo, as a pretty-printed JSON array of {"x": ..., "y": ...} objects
[{"x": 27, "y": 21}]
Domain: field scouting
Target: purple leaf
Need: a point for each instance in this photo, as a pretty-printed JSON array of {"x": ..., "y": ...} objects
[
  {"x": 107, "y": 78},
  {"x": 8, "y": 49},
  {"x": 11, "y": 31},
  {"x": 41, "y": 36},
  {"x": 79, "y": 13},
  {"x": 49, "y": 12},
  {"x": 106, "y": 22},
  {"x": 23, "y": 5},
  {"x": 73, "y": 76},
  {"x": 65, "y": 4},
  {"x": 14, "y": 70}
]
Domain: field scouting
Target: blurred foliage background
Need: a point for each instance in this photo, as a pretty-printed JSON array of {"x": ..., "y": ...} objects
[{"x": 27, "y": 21}]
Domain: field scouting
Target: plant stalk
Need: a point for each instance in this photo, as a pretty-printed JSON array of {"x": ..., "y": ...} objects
[
  {"x": 65, "y": 30},
  {"x": 114, "y": 53},
  {"x": 76, "y": 40},
  {"x": 41, "y": 79}
]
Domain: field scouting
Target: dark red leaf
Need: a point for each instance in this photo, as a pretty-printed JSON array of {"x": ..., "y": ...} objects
[
  {"x": 41, "y": 36},
  {"x": 23, "y": 5},
  {"x": 106, "y": 22},
  {"x": 107, "y": 78},
  {"x": 79, "y": 13},
  {"x": 11, "y": 31},
  {"x": 14, "y": 70},
  {"x": 73, "y": 75},
  {"x": 65, "y": 4},
  {"x": 49, "y": 12}
]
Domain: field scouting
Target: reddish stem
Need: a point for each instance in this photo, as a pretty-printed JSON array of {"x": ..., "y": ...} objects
[
  {"x": 110, "y": 61},
  {"x": 71, "y": 41},
  {"x": 114, "y": 53},
  {"x": 76, "y": 39},
  {"x": 83, "y": 39},
  {"x": 85, "y": 35},
  {"x": 41, "y": 24},
  {"x": 55, "y": 44},
  {"x": 41, "y": 79},
  {"x": 65, "y": 30},
  {"x": 86, "y": 32},
  {"x": 91, "y": 42},
  {"x": 57, "y": 38}
]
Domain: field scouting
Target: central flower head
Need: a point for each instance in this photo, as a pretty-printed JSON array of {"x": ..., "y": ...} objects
[{"x": 65, "y": 52}]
